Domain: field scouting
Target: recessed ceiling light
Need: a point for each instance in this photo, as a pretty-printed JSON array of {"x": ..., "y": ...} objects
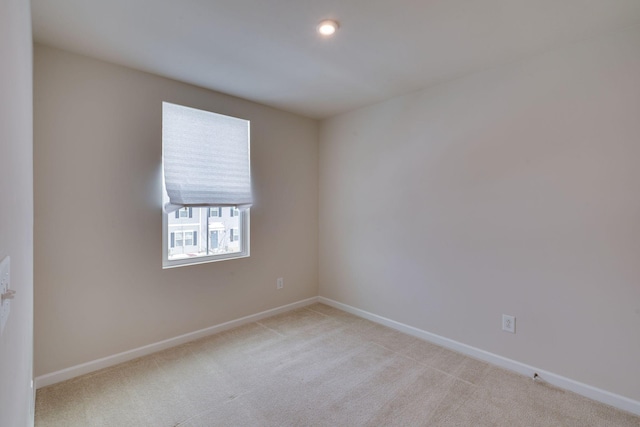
[{"x": 328, "y": 27}]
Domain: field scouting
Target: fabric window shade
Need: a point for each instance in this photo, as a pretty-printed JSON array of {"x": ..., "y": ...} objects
[{"x": 205, "y": 157}]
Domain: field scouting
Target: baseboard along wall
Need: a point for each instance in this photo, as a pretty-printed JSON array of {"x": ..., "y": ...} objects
[
  {"x": 603, "y": 396},
  {"x": 105, "y": 362},
  {"x": 599, "y": 395}
]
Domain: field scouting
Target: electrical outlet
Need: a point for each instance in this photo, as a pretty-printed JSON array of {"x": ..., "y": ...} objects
[
  {"x": 279, "y": 283},
  {"x": 6, "y": 294},
  {"x": 509, "y": 323}
]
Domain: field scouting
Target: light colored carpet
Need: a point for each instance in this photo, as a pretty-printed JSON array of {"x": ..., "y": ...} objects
[{"x": 315, "y": 366}]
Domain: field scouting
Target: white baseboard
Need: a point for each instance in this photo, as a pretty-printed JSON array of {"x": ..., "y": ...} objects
[
  {"x": 615, "y": 400},
  {"x": 105, "y": 362}
]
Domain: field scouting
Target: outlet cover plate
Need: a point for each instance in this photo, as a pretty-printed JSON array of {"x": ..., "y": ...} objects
[
  {"x": 5, "y": 281},
  {"x": 509, "y": 323}
]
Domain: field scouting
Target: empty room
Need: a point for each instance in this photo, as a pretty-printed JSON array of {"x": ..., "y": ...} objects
[{"x": 319, "y": 213}]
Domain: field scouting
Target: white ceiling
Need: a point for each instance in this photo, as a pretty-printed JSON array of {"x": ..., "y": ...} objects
[{"x": 268, "y": 51}]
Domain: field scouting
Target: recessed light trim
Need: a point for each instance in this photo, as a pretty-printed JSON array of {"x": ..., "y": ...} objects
[{"x": 328, "y": 27}]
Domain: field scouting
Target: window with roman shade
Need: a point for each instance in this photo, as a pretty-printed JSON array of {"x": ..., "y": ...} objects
[{"x": 206, "y": 170}]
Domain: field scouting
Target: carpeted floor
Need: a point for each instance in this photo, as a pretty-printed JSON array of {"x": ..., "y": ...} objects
[{"x": 315, "y": 366}]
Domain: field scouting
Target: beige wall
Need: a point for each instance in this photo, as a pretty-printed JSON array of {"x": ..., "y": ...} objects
[
  {"x": 16, "y": 210},
  {"x": 99, "y": 284},
  {"x": 514, "y": 190}
]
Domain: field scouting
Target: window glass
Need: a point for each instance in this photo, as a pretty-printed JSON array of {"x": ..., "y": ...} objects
[{"x": 224, "y": 233}]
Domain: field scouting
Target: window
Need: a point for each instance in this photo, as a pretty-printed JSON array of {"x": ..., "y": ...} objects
[
  {"x": 188, "y": 239},
  {"x": 184, "y": 213},
  {"x": 225, "y": 236},
  {"x": 206, "y": 170}
]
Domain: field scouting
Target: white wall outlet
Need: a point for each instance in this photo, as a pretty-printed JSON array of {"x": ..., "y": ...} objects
[
  {"x": 509, "y": 323},
  {"x": 5, "y": 292},
  {"x": 279, "y": 283}
]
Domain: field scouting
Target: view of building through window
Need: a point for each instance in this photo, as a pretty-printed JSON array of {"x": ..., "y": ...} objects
[{"x": 198, "y": 232}]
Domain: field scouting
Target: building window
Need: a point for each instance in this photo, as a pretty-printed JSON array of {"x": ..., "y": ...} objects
[
  {"x": 184, "y": 213},
  {"x": 188, "y": 239},
  {"x": 198, "y": 187}
]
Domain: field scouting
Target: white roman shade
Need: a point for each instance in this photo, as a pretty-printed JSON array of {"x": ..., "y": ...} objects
[{"x": 205, "y": 158}]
